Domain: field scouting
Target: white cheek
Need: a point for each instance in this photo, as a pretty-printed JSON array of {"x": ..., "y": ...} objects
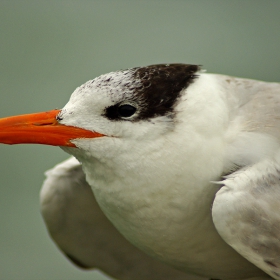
[
  {"x": 143, "y": 129},
  {"x": 85, "y": 112}
]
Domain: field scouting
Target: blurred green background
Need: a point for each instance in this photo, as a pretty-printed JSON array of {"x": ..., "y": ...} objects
[{"x": 48, "y": 48}]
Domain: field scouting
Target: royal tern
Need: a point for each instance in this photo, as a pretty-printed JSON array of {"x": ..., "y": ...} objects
[{"x": 183, "y": 163}]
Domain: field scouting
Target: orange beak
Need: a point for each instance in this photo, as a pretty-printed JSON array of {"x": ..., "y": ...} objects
[{"x": 41, "y": 128}]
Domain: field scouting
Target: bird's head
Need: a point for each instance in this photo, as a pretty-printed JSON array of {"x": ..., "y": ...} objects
[{"x": 135, "y": 104}]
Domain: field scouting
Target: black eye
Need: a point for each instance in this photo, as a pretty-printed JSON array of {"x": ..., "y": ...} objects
[{"x": 126, "y": 110}]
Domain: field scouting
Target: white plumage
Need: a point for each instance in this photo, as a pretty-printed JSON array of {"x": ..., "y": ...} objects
[
  {"x": 81, "y": 230},
  {"x": 158, "y": 168}
]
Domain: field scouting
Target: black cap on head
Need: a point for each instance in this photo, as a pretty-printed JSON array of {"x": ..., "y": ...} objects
[
  {"x": 156, "y": 89},
  {"x": 162, "y": 84}
]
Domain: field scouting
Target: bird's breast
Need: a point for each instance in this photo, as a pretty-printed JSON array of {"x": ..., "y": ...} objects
[{"x": 166, "y": 212}]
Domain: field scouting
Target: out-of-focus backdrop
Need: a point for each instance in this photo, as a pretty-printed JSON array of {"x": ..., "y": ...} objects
[{"x": 48, "y": 48}]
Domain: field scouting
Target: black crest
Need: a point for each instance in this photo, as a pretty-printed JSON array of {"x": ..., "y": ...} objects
[{"x": 157, "y": 89}]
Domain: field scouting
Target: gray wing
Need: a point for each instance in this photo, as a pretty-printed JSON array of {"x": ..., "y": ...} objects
[
  {"x": 254, "y": 105},
  {"x": 81, "y": 230},
  {"x": 246, "y": 213}
]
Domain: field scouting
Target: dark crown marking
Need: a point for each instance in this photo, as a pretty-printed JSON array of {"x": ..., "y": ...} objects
[{"x": 156, "y": 89}]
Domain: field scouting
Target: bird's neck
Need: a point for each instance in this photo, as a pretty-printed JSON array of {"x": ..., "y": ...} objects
[{"x": 162, "y": 198}]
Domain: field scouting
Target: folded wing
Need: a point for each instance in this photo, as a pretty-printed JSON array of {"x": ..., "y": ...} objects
[{"x": 246, "y": 213}]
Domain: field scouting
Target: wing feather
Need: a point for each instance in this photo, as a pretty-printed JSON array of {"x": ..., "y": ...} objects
[{"x": 246, "y": 213}]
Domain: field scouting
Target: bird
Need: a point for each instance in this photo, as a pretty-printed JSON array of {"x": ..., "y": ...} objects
[{"x": 180, "y": 166}]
